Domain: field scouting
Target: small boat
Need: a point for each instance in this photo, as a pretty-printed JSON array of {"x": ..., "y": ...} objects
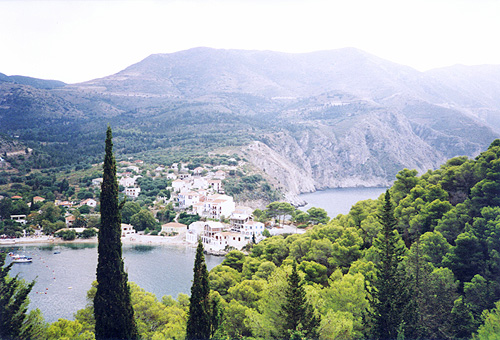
[{"x": 21, "y": 258}]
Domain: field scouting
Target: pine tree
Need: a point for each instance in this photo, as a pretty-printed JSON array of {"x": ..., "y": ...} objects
[
  {"x": 13, "y": 302},
  {"x": 113, "y": 311},
  {"x": 298, "y": 314},
  {"x": 198, "y": 324},
  {"x": 391, "y": 295}
]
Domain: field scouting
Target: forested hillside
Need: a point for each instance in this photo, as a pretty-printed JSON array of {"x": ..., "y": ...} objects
[
  {"x": 420, "y": 262},
  {"x": 448, "y": 232}
]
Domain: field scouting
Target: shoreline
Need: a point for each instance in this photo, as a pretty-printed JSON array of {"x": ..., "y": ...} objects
[{"x": 138, "y": 239}]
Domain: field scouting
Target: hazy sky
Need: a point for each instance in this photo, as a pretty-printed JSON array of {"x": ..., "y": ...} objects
[{"x": 75, "y": 41}]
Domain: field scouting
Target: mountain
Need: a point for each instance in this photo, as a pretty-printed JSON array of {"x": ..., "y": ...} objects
[
  {"x": 204, "y": 71},
  {"x": 310, "y": 121},
  {"x": 33, "y": 82},
  {"x": 472, "y": 89}
]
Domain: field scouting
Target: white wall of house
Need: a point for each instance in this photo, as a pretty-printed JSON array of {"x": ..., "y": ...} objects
[
  {"x": 127, "y": 230},
  {"x": 199, "y": 183},
  {"x": 90, "y": 202},
  {"x": 252, "y": 227},
  {"x": 132, "y": 192},
  {"x": 192, "y": 236},
  {"x": 128, "y": 181},
  {"x": 173, "y": 227},
  {"x": 178, "y": 185},
  {"x": 187, "y": 199},
  {"x": 19, "y": 218}
]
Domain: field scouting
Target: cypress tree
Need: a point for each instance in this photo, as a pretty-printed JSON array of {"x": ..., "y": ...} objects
[
  {"x": 298, "y": 314},
  {"x": 391, "y": 295},
  {"x": 114, "y": 316},
  {"x": 198, "y": 323}
]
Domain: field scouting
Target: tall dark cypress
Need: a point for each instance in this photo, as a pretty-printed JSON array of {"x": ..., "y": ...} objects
[
  {"x": 298, "y": 314},
  {"x": 114, "y": 316},
  {"x": 391, "y": 294},
  {"x": 198, "y": 323}
]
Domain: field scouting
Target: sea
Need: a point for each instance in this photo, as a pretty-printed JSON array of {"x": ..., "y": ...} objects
[
  {"x": 340, "y": 200},
  {"x": 64, "y": 272}
]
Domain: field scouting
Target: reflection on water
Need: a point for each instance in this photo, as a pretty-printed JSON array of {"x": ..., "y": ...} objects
[
  {"x": 142, "y": 248},
  {"x": 64, "y": 272},
  {"x": 47, "y": 247},
  {"x": 80, "y": 245}
]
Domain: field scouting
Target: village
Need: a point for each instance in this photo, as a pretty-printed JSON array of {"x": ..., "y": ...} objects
[{"x": 219, "y": 222}]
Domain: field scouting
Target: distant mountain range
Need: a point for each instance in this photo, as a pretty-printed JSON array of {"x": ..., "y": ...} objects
[{"x": 310, "y": 121}]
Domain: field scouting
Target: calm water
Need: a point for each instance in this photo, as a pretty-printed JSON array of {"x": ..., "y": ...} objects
[
  {"x": 62, "y": 280},
  {"x": 339, "y": 201}
]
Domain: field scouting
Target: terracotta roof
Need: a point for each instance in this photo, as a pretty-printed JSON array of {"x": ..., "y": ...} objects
[{"x": 175, "y": 225}]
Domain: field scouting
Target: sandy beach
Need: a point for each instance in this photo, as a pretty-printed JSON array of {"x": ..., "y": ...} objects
[{"x": 129, "y": 239}]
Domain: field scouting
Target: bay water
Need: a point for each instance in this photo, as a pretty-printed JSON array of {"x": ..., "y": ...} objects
[
  {"x": 339, "y": 200},
  {"x": 64, "y": 272}
]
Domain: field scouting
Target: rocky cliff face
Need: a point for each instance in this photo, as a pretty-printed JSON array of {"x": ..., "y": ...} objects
[{"x": 366, "y": 151}]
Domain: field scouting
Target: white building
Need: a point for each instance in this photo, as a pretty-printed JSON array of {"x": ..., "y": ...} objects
[
  {"x": 19, "y": 218},
  {"x": 214, "y": 238},
  {"x": 211, "y": 236},
  {"x": 188, "y": 199},
  {"x": 191, "y": 236},
  {"x": 199, "y": 208},
  {"x": 215, "y": 185},
  {"x": 199, "y": 183},
  {"x": 179, "y": 185},
  {"x": 198, "y": 171},
  {"x": 252, "y": 228},
  {"x": 217, "y": 206},
  {"x": 234, "y": 240},
  {"x": 133, "y": 168},
  {"x": 70, "y": 219},
  {"x": 173, "y": 227},
  {"x": 128, "y": 181},
  {"x": 195, "y": 230},
  {"x": 238, "y": 219},
  {"x": 90, "y": 202},
  {"x": 219, "y": 174},
  {"x": 132, "y": 192},
  {"x": 127, "y": 230}
]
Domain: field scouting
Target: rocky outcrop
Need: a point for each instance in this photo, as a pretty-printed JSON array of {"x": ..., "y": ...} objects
[
  {"x": 286, "y": 174},
  {"x": 364, "y": 152}
]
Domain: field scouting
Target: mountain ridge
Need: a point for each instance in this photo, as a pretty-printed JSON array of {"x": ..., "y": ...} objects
[{"x": 342, "y": 117}]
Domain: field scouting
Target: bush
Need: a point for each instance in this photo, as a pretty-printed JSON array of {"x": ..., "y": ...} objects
[
  {"x": 88, "y": 233},
  {"x": 67, "y": 235}
]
